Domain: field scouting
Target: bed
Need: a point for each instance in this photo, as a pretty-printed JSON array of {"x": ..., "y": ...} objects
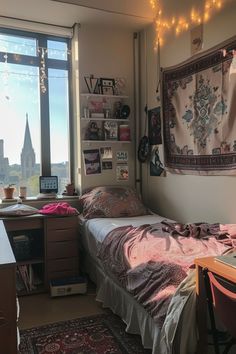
[{"x": 111, "y": 222}]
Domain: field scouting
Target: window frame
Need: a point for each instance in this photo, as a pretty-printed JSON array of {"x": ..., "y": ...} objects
[{"x": 41, "y": 42}]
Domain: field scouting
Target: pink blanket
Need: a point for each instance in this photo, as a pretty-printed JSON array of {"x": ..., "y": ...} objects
[{"x": 150, "y": 261}]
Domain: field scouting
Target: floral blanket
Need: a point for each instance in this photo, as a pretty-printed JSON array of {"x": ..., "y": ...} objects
[{"x": 150, "y": 261}]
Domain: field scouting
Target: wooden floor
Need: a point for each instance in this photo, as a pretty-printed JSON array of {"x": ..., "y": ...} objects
[{"x": 40, "y": 309}]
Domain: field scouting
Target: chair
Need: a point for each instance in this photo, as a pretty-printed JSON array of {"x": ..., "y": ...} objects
[{"x": 222, "y": 303}]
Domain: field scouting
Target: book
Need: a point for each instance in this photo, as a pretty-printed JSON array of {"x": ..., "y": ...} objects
[
  {"x": 111, "y": 130},
  {"x": 228, "y": 259}
]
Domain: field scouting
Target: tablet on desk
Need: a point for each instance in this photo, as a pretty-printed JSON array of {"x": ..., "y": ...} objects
[
  {"x": 228, "y": 259},
  {"x": 48, "y": 187}
]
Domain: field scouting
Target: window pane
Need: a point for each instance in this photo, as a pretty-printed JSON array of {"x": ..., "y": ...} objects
[
  {"x": 59, "y": 118},
  {"x": 57, "y": 50},
  {"x": 20, "y": 127},
  {"x": 18, "y": 45}
]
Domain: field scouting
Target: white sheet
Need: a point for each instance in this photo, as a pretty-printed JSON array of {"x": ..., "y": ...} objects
[{"x": 95, "y": 230}]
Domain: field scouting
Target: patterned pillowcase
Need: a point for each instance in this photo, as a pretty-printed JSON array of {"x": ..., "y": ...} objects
[{"x": 111, "y": 202}]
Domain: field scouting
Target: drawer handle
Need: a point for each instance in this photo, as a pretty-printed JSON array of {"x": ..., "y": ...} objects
[{"x": 3, "y": 320}]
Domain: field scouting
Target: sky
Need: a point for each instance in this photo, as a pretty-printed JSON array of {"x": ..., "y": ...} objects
[{"x": 19, "y": 95}]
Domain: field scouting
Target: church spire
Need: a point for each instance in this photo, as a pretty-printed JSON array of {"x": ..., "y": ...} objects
[
  {"x": 27, "y": 154},
  {"x": 27, "y": 140}
]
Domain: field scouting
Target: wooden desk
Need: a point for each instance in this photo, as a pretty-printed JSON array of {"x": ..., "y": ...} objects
[
  {"x": 224, "y": 271},
  {"x": 8, "y": 313}
]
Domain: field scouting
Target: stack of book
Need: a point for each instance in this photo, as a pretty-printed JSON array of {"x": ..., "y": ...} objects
[{"x": 26, "y": 278}]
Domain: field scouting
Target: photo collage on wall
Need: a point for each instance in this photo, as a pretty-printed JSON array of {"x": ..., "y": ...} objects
[{"x": 98, "y": 161}]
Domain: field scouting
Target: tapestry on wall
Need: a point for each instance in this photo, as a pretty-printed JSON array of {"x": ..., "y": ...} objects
[{"x": 199, "y": 114}]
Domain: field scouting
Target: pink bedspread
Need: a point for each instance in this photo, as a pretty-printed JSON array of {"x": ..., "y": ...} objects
[{"x": 150, "y": 261}]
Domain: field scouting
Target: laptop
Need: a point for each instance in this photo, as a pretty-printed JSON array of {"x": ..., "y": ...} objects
[{"x": 228, "y": 259}]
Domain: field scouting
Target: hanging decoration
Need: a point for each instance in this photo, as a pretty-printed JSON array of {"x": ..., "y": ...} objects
[
  {"x": 43, "y": 76},
  {"x": 5, "y": 47},
  {"x": 198, "y": 114},
  {"x": 183, "y": 22}
]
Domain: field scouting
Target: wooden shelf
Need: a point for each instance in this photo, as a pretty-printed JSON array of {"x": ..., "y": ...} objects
[
  {"x": 106, "y": 119},
  {"x": 31, "y": 261},
  {"x": 106, "y": 141},
  {"x": 100, "y": 95}
]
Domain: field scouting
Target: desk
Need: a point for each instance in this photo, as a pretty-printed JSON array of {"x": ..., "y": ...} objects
[
  {"x": 54, "y": 249},
  {"x": 224, "y": 271}
]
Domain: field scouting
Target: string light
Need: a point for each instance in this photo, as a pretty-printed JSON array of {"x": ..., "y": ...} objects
[
  {"x": 182, "y": 24},
  {"x": 25, "y": 48}
]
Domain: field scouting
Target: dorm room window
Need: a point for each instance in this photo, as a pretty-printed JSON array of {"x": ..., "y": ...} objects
[{"x": 34, "y": 109}]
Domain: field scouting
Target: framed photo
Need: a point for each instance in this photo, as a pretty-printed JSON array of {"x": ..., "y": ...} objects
[
  {"x": 106, "y": 152},
  {"x": 107, "y": 86},
  {"x": 154, "y": 126},
  {"x": 122, "y": 172},
  {"x": 107, "y": 165},
  {"x": 92, "y": 162},
  {"x": 111, "y": 130}
]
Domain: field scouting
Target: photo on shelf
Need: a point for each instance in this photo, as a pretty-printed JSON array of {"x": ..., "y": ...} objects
[
  {"x": 107, "y": 86},
  {"x": 92, "y": 162},
  {"x": 107, "y": 165},
  {"x": 94, "y": 131},
  {"x": 122, "y": 172},
  {"x": 120, "y": 86},
  {"x": 106, "y": 152},
  {"x": 111, "y": 130}
]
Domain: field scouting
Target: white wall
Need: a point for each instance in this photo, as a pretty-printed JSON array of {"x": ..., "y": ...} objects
[
  {"x": 107, "y": 52},
  {"x": 183, "y": 197}
]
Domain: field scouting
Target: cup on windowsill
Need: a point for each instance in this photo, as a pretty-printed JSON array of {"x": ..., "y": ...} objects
[{"x": 23, "y": 192}]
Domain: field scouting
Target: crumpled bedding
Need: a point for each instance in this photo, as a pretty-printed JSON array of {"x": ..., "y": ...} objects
[{"x": 151, "y": 261}]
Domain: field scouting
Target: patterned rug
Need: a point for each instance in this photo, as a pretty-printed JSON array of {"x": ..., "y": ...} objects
[{"x": 101, "y": 334}]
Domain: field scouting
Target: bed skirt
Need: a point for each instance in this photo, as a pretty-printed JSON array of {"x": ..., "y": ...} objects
[
  {"x": 175, "y": 336},
  {"x": 112, "y": 296}
]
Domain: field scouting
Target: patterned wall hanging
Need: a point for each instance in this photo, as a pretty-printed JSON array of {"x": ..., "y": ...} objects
[{"x": 199, "y": 114}]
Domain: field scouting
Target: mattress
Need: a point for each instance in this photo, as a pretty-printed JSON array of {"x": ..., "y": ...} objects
[{"x": 95, "y": 230}]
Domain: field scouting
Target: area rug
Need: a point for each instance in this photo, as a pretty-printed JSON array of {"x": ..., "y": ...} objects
[{"x": 100, "y": 334}]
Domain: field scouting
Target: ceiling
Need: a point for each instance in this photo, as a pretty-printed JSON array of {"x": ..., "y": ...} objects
[{"x": 128, "y": 14}]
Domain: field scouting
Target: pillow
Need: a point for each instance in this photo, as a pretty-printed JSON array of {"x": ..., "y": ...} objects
[
  {"x": 18, "y": 210},
  {"x": 111, "y": 202}
]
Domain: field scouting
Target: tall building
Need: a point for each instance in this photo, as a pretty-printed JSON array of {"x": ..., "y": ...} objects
[
  {"x": 4, "y": 164},
  {"x": 27, "y": 154}
]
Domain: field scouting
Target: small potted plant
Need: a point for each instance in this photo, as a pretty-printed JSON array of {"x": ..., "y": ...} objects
[{"x": 8, "y": 191}]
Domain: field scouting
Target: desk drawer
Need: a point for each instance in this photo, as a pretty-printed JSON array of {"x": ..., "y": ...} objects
[
  {"x": 62, "y": 249},
  {"x": 23, "y": 224},
  {"x": 62, "y": 274},
  {"x": 63, "y": 264},
  {"x": 62, "y": 235},
  {"x": 67, "y": 222}
]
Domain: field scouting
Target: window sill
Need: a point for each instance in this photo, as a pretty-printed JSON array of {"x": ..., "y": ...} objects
[{"x": 38, "y": 203}]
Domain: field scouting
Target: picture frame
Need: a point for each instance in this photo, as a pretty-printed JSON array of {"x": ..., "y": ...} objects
[
  {"x": 92, "y": 162},
  {"x": 154, "y": 126},
  {"x": 107, "y": 86},
  {"x": 111, "y": 130},
  {"x": 122, "y": 172}
]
